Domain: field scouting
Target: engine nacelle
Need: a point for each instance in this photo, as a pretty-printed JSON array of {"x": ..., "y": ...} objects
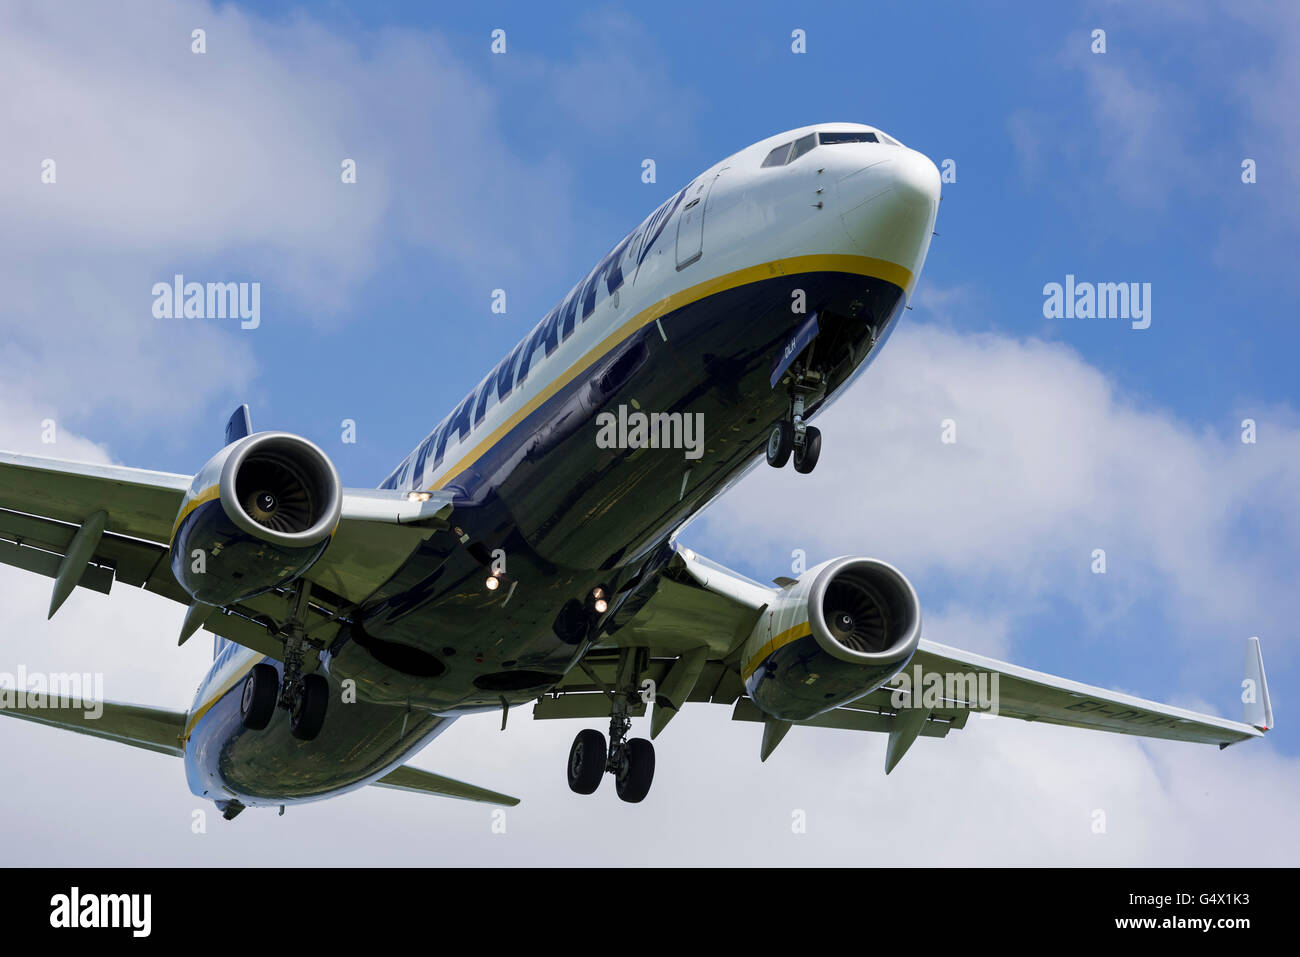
[
  {"x": 844, "y": 629},
  {"x": 257, "y": 516}
]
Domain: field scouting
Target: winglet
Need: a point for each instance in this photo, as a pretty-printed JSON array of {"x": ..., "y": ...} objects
[{"x": 1258, "y": 710}]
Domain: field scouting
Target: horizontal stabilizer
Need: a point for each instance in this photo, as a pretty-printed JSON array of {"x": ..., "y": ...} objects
[
  {"x": 153, "y": 729},
  {"x": 413, "y": 779}
]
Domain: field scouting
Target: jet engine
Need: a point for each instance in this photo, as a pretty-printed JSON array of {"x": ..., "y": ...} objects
[
  {"x": 842, "y": 630},
  {"x": 257, "y": 516}
]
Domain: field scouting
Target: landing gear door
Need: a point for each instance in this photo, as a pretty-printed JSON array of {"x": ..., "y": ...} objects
[{"x": 690, "y": 223}]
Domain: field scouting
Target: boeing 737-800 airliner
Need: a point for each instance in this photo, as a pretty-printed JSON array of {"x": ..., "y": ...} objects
[{"x": 525, "y": 552}]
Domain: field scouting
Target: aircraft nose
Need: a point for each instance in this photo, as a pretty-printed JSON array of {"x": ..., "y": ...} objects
[{"x": 888, "y": 206}]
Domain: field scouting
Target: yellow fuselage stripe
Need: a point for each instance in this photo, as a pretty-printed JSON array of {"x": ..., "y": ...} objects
[
  {"x": 857, "y": 265},
  {"x": 197, "y": 715},
  {"x": 207, "y": 495}
]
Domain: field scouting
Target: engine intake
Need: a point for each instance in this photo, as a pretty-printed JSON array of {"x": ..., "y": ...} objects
[
  {"x": 282, "y": 489},
  {"x": 864, "y": 608},
  {"x": 269, "y": 489},
  {"x": 844, "y": 629}
]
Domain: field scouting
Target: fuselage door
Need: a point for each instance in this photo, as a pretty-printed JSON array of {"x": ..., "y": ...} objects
[{"x": 690, "y": 223}]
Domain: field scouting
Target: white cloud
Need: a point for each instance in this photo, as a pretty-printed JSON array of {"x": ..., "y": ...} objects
[
  {"x": 1050, "y": 463},
  {"x": 997, "y": 792},
  {"x": 232, "y": 159},
  {"x": 226, "y": 166},
  {"x": 177, "y": 155}
]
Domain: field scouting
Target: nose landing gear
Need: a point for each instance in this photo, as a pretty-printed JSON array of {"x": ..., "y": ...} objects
[{"x": 794, "y": 436}]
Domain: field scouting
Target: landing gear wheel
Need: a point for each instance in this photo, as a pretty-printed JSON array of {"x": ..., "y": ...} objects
[
  {"x": 637, "y": 771},
  {"x": 257, "y": 704},
  {"x": 308, "y": 714},
  {"x": 780, "y": 444},
  {"x": 805, "y": 456},
  {"x": 587, "y": 762}
]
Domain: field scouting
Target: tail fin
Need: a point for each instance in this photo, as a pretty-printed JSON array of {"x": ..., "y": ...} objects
[
  {"x": 239, "y": 425},
  {"x": 1258, "y": 710}
]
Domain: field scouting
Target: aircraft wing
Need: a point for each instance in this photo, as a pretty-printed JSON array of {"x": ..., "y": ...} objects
[
  {"x": 691, "y": 633},
  {"x": 44, "y": 502}
]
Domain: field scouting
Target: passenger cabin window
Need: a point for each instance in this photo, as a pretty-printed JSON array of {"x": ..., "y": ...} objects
[
  {"x": 854, "y": 136},
  {"x": 778, "y": 156},
  {"x": 802, "y": 145}
]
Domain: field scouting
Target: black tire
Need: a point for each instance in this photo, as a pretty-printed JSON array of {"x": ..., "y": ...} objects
[
  {"x": 257, "y": 704},
  {"x": 806, "y": 455},
  {"x": 308, "y": 716},
  {"x": 635, "y": 777},
  {"x": 587, "y": 761},
  {"x": 779, "y": 444}
]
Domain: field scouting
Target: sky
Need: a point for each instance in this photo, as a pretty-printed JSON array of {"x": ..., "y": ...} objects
[{"x": 478, "y": 171}]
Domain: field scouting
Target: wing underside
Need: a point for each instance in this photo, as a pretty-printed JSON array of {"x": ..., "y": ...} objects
[
  {"x": 701, "y": 608},
  {"x": 687, "y": 636},
  {"x": 48, "y": 508}
]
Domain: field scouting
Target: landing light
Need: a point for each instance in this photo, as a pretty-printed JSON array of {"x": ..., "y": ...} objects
[
  {"x": 493, "y": 583},
  {"x": 419, "y": 496},
  {"x": 601, "y": 606}
]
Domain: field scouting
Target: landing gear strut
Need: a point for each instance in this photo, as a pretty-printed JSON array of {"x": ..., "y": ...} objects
[
  {"x": 793, "y": 435},
  {"x": 305, "y": 697},
  {"x": 631, "y": 761}
]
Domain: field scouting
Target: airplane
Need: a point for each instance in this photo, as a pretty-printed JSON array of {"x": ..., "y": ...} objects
[{"x": 526, "y": 550}]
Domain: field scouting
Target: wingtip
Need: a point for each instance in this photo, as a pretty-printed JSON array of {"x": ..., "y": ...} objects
[{"x": 1257, "y": 709}]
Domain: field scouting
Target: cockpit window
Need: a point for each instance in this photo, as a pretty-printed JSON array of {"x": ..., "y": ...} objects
[
  {"x": 789, "y": 152},
  {"x": 802, "y": 145},
  {"x": 778, "y": 156},
  {"x": 854, "y": 136}
]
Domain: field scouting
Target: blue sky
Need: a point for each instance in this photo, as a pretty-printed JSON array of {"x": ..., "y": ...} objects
[{"x": 519, "y": 171}]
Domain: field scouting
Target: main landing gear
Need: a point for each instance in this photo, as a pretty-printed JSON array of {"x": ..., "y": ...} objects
[
  {"x": 631, "y": 761},
  {"x": 305, "y": 697},
  {"x": 794, "y": 436}
]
